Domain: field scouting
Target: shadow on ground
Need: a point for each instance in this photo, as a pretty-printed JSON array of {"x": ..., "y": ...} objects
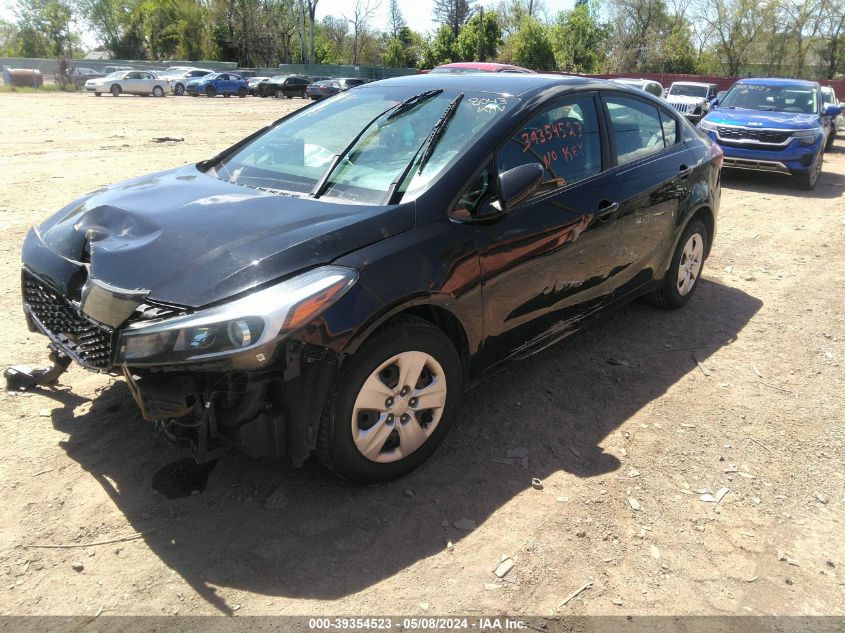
[
  {"x": 829, "y": 186},
  {"x": 334, "y": 539}
]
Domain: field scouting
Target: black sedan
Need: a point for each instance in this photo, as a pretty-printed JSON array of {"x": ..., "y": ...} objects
[
  {"x": 283, "y": 86},
  {"x": 326, "y": 88},
  {"x": 335, "y": 282}
]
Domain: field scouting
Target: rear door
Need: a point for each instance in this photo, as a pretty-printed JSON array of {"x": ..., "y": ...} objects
[
  {"x": 131, "y": 83},
  {"x": 547, "y": 264},
  {"x": 651, "y": 168}
]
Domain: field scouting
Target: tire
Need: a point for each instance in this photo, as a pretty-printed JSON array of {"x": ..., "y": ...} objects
[
  {"x": 241, "y": 92},
  {"x": 115, "y": 91},
  {"x": 406, "y": 342},
  {"x": 807, "y": 179},
  {"x": 830, "y": 140},
  {"x": 210, "y": 91},
  {"x": 98, "y": 94},
  {"x": 279, "y": 93},
  {"x": 157, "y": 91},
  {"x": 226, "y": 95},
  {"x": 178, "y": 90},
  {"x": 678, "y": 287}
]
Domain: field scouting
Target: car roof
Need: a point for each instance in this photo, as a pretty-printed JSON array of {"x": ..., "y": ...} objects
[
  {"x": 504, "y": 83},
  {"x": 772, "y": 81},
  {"x": 692, "y": 83},
  {"x": 484, "y": 66}
]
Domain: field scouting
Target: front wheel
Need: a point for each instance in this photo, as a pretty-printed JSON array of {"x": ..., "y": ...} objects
[
  {"x": 157, "y": 91},
  {"x": 830, "y": 140},
  {"x": 807, "y": 179},
  {"x": 115, "y": 91},
  {"x": 178, "y": 90},
  {"x": 685, "y": 270},
  {"x": 392, "y": 403},
  {"x": 279, "y": 94},
  {"x": 241, "y": 92}
]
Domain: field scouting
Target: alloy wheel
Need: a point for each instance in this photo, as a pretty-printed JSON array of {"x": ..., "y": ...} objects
[
  {"x": 398, "y": 407},
  {"x": 689, "y": 267}
]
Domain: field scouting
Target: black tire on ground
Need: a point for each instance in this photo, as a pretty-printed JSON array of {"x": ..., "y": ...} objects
[
  {"x": 157, "y": 91},
  {"x": 807, "y": 179},
  {"x": 178, "y": 90},
  {"x": 241, "y": 92},
  {"x": 335, "y": 444},
  {"x": 668, "y": 295},
  {"x": 279, "y": 93},
  {"x": 830, "y": 140},
  {"x": 98, "y": 94},
  {"x": 115, "y": 91}
]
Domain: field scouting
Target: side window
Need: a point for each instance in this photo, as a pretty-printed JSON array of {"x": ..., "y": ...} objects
[
  {"x": 670, "y": 129},
  {"x": 133, "y": 76},
  {"x": 636, "y": 128},
  {"x": 564, "y": 139}
]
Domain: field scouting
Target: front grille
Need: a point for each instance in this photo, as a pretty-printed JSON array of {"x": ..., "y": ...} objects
[
  {"x": 86, "y": 342},
  {"x": 684, "y": 108},
  {"x": 761, "y": 136}
]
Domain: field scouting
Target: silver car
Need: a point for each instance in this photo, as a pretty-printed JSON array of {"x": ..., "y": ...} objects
[{"x": 132, "y": 82}]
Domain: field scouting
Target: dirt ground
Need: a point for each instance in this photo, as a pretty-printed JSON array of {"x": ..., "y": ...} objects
[{"x": 627, "y": 424}]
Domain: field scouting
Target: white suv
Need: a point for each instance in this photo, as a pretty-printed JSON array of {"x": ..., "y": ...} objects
[{"x": 692, "y": 99}]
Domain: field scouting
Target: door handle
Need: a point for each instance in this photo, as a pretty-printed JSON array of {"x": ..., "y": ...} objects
[
  {"x": 605, "y": 209},
  {"x": 684, "y": 171}
]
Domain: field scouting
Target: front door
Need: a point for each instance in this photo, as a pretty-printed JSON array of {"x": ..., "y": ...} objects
[{"x": 547, "y": 264}]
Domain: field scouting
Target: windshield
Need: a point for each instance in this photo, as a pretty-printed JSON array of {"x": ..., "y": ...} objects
[
  {"x": 370, "y": 153},
  {"x": 750, "y": 96},
  {"x": 828, "y": 97},
  {"x": 682, "y": 90}
]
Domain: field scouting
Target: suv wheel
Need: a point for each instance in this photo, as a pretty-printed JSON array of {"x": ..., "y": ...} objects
[
  {"x": 392, "y": 403},
  {"x": 279, "y": 93},
  {"x": 685, "y": 270},
  {"x": 808, "y": 179}
]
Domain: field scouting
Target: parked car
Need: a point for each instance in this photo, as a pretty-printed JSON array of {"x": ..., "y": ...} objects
[
  {"x": 226, "y": 84},
  {"x": 691, "y": 98},
  {"x": 283, "y": 86},
  {"x": 253, "y": 83},
  {"x": 646, "y": 85},
  {"x": 80, "y": 76},
  {"x": 247, "y": 74},
  {"x": 131, "y": 82},
  {"x": 180, "y": 80},
  {"x": 333, "y": 283},
  {"x": 773, "y": 125},
  {"x": 829, "y": 99},
  {"x": 108, "y": 70},
  {"x": 479, "y": 67},
  {"x": 329, "y": 87}
]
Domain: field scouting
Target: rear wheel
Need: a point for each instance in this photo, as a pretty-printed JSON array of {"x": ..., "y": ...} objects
[
  {"x": 685, "y": 270},
  {"x": 157, "y": 91},
  {"x": 392, "y": 403},
  {"x": 98, "y": 94},
  {"x": 115, "y": 91}
]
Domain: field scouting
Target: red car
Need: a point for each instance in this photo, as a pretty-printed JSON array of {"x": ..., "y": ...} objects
[{"x": 479, "y": 67}]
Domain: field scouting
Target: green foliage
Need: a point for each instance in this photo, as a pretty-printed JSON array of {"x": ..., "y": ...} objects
[
  {"x": 579, "y": 40},
  {"x": 394, "y": 56},
  {"x": 466, "y": 46},
  {"x": 43, "y": 27},
  {"x": 440, "y": 50},
  {"x": 530, "y": 46}
]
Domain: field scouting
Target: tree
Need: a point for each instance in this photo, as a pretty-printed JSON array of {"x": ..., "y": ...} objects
[
  {"x": 395, "y": 21},
  {"x": 735, "y": 25},
  {"x": 467, "y": 46},
  {"x": 530, "y": 46},
  {"x": 579, "y": 40},
  {"x": 394, "y": 57},
  {"x": 43, "y": 27},
  {"x": 440, "y": 49},
  {"x": 833, "y": 37},
  {"x": 362, "y": 13},
  {"x": 452, "y": 13}
]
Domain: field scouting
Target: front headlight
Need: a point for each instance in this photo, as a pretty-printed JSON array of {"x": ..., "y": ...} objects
[
  {"x": 807, "y": 137},
  {"x": 706, "y": 125},
  {"x": 234, "y": 327}
]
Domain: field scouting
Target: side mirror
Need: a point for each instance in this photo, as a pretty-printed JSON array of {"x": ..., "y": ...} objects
[
  {"x": 714, "y": 103},
  {"x": 518, "y": 184},
  {"x": 832, "y": 110}
]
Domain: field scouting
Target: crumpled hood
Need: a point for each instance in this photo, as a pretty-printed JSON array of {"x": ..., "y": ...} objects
[
  {"x": 191, "y": 239},
  {"x": 763, "y": 119}
]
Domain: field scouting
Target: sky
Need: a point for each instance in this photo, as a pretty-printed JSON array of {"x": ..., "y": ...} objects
[{"x": 419, "y": 14}]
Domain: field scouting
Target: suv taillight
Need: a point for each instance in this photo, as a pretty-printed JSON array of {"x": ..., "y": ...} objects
[{"x": 716, "y": 155}]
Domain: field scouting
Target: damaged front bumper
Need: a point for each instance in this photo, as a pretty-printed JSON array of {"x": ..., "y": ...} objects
[{"x": 211, "y": 406}]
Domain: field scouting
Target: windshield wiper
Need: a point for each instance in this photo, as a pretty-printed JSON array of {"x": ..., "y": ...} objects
[
  {"x": 427, "y": 148},
  {"x": 437, "y": 131},
  {"x": 398, "y": 108}
]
